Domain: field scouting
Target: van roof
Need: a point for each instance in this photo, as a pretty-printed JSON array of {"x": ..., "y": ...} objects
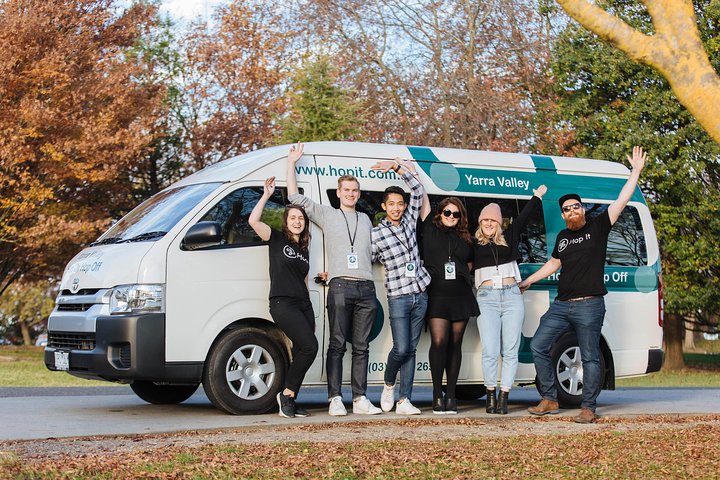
[{"x": 240, "y": 166}]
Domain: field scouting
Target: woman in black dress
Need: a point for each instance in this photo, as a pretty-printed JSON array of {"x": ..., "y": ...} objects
[
  {"x": 447, "y": 252},
  {"x": 290, "y": 305}
]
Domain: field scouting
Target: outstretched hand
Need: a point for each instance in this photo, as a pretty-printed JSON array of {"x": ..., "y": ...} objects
[
  {"x": 540, "y": 191},
  {"x": 296, "y": 152},
  {"x": 637, "y": 161},
  {"x": 384, "y": 165},
  {"x": 269, "y": 187}
]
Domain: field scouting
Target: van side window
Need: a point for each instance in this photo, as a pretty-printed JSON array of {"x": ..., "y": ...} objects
[
  {"x": 533, "y": 246},
  {"x": 626, "y": 243},
  {"x": 232, "y": 213}
]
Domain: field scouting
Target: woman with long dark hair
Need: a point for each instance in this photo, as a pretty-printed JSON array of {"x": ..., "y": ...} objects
[
  {"x": 290, "y": 305},
  {"x": 447, "y": 251}
]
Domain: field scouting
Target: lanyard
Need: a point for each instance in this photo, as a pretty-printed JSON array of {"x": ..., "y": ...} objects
[
  {"x": 449, "y": 240},
  {"x": 407, "y": 248},
  {"x": 496, "y": 256},
  {"x": 352, "y": 239}
]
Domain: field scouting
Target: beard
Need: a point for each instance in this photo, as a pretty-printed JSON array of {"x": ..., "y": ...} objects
[{"x": 575, "y": 223}]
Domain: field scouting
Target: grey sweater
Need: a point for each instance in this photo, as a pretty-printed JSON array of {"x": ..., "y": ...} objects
[{"x": 337, "y": 239}]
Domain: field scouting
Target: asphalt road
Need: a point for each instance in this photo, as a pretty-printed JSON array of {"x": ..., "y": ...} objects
[{"x": 38, "y": 413}]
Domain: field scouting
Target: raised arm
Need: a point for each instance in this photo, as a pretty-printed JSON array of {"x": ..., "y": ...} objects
[
  {"x": 637, "y": 162},
  {"x": 409, "y": 174},
  {"x": 550, "y": 267},
  {"x": 294, "y": 155},
  {"x": 262, "y": 229}
]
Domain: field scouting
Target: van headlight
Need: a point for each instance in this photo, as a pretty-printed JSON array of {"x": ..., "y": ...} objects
[{"x": 137, "y": 299}]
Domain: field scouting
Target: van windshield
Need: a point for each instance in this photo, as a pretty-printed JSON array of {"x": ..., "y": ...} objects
[{"x": 153, "y": 218}]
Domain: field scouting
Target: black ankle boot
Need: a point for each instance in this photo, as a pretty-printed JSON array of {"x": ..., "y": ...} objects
[
  {"x": 502, "y": 403},
  {"x": 490, "y": 401},
  {"x": 438, "y": 405}
]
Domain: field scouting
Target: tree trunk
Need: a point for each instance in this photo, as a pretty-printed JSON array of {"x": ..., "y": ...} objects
[
  {"x": 675, "y": 51},
  {"x": 672, "y": 331},
  {"x": 689, "y": 343},
  {"x": 25, "y": 330}
]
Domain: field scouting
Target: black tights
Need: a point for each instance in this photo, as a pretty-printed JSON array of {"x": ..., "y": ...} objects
[{"x": 445, "y": 353}]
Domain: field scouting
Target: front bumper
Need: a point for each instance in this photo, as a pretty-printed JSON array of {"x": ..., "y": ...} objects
[{"x": 122, "y": 349}]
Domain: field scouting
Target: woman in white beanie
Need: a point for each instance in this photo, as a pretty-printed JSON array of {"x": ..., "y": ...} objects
[{"x": 501, "y": 305}]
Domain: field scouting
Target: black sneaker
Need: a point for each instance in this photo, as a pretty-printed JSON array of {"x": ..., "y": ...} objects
[
  {"x": 287, "y": 405},
  {"x": 301, "y": 412},
  {"x": 450, "y": 406},
  {"x": 438, "y": 406}
]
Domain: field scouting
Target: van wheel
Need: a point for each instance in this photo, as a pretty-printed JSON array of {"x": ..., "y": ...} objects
[
  {"x": 244, "y": 372},
  {"x": 162, "y": 394},
  {"x": 569, "y": 370}
]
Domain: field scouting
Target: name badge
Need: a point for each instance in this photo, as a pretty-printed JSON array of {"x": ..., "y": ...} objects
[
  {"x": 410, "y": 269},
  {"x": 450, "y": 271},
  {"x": 497, "y": 281},
  {"x": 352, "y": 261}
]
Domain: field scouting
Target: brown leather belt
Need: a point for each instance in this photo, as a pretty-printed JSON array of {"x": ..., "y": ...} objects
[{"x": 580, "y": 299}]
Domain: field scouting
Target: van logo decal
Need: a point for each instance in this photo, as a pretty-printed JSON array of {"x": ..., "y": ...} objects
[{"x": 75, "y": 285}]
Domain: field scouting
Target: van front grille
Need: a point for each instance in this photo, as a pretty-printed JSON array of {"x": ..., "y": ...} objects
[
  {"x": 74, "y": 307},
  {"x": 84, "y": 291},
  {"x": 71, "y": 341}
]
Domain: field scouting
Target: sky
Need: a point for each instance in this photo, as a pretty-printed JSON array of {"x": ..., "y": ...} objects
[{"x": 188, "y": 10}]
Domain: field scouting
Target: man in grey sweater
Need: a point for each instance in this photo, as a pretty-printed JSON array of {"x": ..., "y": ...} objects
[{"x": 351, "y": 302}]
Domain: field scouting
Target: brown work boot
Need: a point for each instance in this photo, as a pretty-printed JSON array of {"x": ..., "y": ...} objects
[
  {"x": 545, "y": 407},
  {"x": 586, "y": 416}
]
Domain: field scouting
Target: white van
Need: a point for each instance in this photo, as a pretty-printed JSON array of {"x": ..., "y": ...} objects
[{"x": 176, "y": 293}]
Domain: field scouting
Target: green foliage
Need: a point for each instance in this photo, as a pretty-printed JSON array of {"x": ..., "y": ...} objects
[
  {"x": 24, "y": 308},
  {"x": 320, "y": 109},
  {"x": 613, "y": 104}
]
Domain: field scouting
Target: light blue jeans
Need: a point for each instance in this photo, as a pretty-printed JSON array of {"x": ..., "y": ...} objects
[
  {"x": 502, "y": 313},
  {"x": 407, "y": 319}
]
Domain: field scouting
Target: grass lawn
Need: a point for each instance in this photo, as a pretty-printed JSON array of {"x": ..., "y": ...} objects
[{"x": 24, "y": 367}]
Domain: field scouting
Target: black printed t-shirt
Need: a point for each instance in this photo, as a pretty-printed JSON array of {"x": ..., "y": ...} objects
[
  {"x": 288, "y": 267},
  {"x": 582, "y": 253}
]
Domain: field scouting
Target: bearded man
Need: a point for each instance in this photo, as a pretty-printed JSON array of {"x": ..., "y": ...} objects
[{"x": 580, "y": 250}]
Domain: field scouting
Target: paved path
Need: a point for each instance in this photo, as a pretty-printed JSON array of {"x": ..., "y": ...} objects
[{"x": 37, "y": 413}]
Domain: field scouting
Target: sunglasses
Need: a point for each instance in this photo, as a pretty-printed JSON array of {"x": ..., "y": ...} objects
[
  {"x": 574, "y": 206},
  {"x": 449, "y": 213}
]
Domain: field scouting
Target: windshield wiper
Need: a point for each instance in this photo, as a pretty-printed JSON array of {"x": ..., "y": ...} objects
[
  {"x": 105, "y": 241},
  {"x": 144, "y": 236}
]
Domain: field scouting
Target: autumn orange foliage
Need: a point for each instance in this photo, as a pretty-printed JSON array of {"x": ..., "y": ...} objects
[{"x": 73, "y": 118}]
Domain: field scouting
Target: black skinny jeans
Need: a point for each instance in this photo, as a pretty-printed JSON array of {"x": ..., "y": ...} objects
[{"x": 296, "y": 319}]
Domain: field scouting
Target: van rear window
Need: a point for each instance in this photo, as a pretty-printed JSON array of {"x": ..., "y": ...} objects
[{"x": 626, "y": 243}]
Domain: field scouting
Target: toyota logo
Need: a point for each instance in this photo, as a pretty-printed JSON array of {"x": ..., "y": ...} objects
[{"x": 75, "y": 285}]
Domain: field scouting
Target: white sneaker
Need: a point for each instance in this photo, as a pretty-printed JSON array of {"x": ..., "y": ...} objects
[
  {"x": 387, "y": 399},
  {"x": 363, "y": 406},
  {"x": 337, "y": 409},
  {"x": 407, "y": 408}
]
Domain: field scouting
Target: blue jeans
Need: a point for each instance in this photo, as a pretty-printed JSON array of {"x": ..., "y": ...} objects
[
  {"x": 502, "y": 313},
  {"x": 407, "y": 318},
  {"x": 586, "y": 317},
  {"x": 352, "y": 308}
]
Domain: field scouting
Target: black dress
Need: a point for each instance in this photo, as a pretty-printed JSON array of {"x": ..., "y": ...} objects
[{"x": 449, "y": 299}]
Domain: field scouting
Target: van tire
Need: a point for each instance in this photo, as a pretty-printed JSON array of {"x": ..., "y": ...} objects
[
  {"x": 568, "y": 370},
  {"x": 162, "y": 394},
  {"x": 244, "y": 372}
]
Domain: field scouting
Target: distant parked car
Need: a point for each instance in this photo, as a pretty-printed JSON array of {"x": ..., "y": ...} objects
[{"x": 41, "y": 340}]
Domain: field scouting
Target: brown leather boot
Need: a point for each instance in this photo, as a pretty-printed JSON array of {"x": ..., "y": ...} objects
[
  {"x": 586, "y": 416},
  {"x": 545, "y": 407}
]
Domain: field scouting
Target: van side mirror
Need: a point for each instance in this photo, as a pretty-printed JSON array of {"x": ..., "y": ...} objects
[{"x": 202, "y": 235}]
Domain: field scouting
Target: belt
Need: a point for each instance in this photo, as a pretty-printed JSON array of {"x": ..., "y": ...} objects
[
  {"x": 580, "y": 299},
  {"x": 353, "y": 279}
]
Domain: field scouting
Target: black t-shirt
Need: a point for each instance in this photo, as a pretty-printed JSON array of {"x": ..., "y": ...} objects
[
  {"x": 439, "y": 245},
  {"x": 582, "y": 253},
  {"x": 288, "y": 267}
]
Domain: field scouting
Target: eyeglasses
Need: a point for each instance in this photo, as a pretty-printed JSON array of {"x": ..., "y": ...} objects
[
  {"x": 448, "y": 213},
  {"x": 574, "y": 206}
]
